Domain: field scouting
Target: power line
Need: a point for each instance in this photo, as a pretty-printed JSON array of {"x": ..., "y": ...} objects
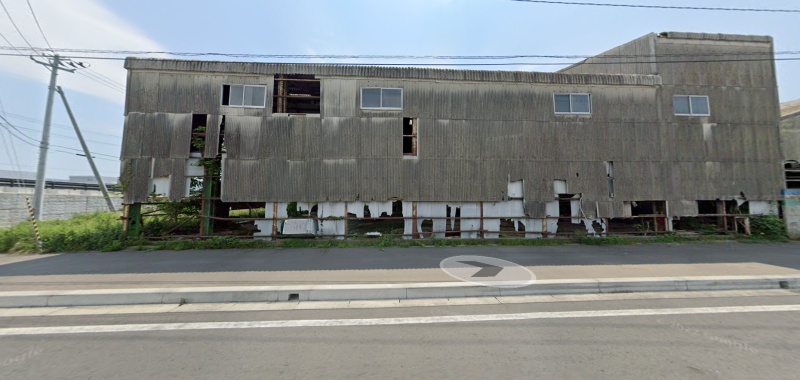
[
  {"x": 485, "y": 64},
  {"x": 674, "y": 7},
  {"x": 62, "y": 126},
  {"x": 373, "y": 56},
  {"x": 35, "y": 141},
  {"x": 38, "y": 25},
  {"x": 71, "y": 137},
  {"x": 17, "y": 28}
]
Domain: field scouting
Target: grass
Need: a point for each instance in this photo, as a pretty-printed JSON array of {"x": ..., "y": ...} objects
[{"x": 103, "y": 232}]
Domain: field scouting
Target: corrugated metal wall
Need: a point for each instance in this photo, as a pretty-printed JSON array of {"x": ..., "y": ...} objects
[
  {"x": 790, "y": 137},
  {"x": 476, "y": 131}
]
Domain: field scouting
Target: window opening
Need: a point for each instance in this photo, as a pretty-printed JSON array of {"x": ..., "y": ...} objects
[
  {"x": 610, "y": 175},
  {"x": 381, "y": 98},
  {"x": 239, "y": 95},
  {"x": 198, "y": 133},
  {"x": 296, "y": 94},
  {"x": 691, "y": 105},
  {"x": 572, "y": 103},
  {"x": 409, "y": 136}
]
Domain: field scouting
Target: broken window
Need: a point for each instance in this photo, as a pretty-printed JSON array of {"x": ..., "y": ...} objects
[
  {"x": 296, "y": 94},
  {"x": 691, "y": 105},
  {"x": 610, "y": 175},
  {"x": 381, "y": 98},
  {"x": 409, "y": 136},
  {"x": 239, "y": 95},
  {"x": 572, "y": 103}
]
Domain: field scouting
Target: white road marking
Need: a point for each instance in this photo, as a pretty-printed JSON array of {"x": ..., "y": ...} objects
[{"x": 389, "y": 321}]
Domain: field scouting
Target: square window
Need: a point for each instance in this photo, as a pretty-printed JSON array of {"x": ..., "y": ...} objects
[
  {"x": 237, "y": 96},
  {"x": 562, "y": 103},
  {"x": 699, "y": 105},
  {"x": 580, "y": 103},
  {"x": 681, "y": 105},
  {"x": 255, "y": 96},
  {"x": 370, "y": 98},
  {"x": 391, "y": 98}
]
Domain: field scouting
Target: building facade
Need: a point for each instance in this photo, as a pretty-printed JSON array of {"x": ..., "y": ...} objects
[{"x": 664, "y": 126}]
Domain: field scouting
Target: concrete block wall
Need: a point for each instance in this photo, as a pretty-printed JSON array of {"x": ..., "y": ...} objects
[{"x": 58, "y": 204}]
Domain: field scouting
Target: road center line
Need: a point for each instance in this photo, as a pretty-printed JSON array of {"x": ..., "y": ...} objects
[{"x": 388, "y": 321}]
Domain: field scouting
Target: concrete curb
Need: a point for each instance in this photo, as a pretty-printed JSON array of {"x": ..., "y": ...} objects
[{"x": 387, "y": 291}]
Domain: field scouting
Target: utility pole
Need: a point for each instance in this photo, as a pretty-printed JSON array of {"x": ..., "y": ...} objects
[
  {"x": 88, "y": 154},
  {"x": 38, "y": 194}
]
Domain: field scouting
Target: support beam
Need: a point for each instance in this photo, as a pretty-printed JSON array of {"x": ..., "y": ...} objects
[
  {"x": 86, "y": 152},
  {"x": 132, "y": 218},
  {"x": 206, "y": 208},
  {"x": 414, "y": 216},
  {"x": 275, "y": 221}
]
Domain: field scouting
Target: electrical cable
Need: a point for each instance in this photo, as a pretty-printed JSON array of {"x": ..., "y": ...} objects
[
  {"x": 673, "y": 7},
  {"x": 17, "y": 28}
]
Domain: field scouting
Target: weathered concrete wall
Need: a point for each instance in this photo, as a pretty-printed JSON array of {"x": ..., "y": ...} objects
[{"x": 59, "y": 204}]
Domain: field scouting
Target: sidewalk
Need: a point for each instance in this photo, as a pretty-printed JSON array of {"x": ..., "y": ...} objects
[
  {"x": 279, "y": 267},
  {"x": 369, "y": 273}
]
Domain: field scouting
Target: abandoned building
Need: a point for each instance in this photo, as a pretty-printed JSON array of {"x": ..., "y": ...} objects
[{"x": 668, "y": 126}]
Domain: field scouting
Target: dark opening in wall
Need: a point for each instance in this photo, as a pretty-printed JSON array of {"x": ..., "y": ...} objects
[
  {"x": 409, "y": 136},
  {"x": 222, "y": 136},
  {"x": 296, "y": 94},
  {"x": 707, "y": 207},
  {"x": 226, "y": 94},
  {"x": 792, "y": 174},
  {"x": 198, "y": 133},
  {"x": 565, "y": 204}
]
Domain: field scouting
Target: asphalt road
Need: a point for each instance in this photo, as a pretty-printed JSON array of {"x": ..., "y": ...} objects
[
  {"x": 239, "y": 260},
  {"x": 706, "y": 344}
]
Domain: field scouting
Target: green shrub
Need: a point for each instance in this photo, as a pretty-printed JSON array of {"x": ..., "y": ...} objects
[
  {"x": 92, "y": 232},
  {"x": 768, "y": 225}
]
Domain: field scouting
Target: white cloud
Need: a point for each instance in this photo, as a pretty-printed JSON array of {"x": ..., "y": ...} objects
[{"x": 76, "y": 24}]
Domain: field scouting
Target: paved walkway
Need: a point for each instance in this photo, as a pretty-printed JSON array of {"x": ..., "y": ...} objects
[{"x": 158, "y": 269}]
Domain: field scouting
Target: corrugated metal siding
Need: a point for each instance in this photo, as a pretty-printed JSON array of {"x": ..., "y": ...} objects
[
  {"x": 479, "y": 129},
  {"x": 255, "y": 68},
  {"x": 790, "y": 137}
]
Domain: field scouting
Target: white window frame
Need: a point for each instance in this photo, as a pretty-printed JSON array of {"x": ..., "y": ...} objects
[
  {"x": 222, "y": 95},
  {"x": 361, "y": 98},
  {"x": 691, "y": 111},
  {"x": 570, "y": 103}
]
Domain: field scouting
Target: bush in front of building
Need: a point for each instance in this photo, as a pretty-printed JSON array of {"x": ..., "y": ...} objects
[{"x": 768, "y": 226}]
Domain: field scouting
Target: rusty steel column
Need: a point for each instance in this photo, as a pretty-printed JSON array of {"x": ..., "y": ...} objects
[
  {"x": 414, "y": 220},
  {"x": 483, "y": 234},
  {"x": 275, "y": 219}
]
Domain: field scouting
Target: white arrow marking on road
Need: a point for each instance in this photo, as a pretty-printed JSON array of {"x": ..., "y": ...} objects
[{"x": 389, "y": 321}]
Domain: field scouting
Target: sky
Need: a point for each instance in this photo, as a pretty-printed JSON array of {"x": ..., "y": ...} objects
[{"x": 407, "y": 27}]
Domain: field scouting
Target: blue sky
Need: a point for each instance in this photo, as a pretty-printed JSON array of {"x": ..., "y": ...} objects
[{"x": 409, "y": 27}]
